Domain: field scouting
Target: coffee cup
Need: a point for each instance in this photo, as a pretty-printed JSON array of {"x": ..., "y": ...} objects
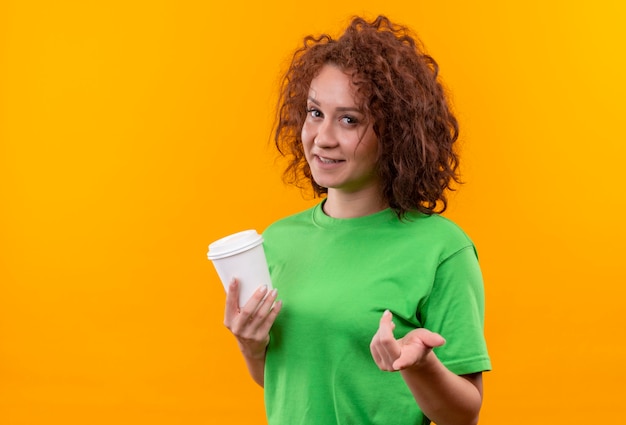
[{"x": 241, "y": 256}]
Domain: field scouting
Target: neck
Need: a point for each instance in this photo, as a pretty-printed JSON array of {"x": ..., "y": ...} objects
[{"x": 350, "y": 205}]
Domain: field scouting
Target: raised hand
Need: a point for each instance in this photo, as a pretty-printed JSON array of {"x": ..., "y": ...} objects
[{"x": 392, "y": 354}]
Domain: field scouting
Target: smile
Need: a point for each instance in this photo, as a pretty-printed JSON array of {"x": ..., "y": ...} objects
[{"x": 328, "y": 160}]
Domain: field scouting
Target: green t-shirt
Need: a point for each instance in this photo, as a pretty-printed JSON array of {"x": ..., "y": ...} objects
[{"x": 336, "y": 277}]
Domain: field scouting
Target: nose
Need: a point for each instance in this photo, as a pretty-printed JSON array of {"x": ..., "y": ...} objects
[{"x": 325, "y": 137}]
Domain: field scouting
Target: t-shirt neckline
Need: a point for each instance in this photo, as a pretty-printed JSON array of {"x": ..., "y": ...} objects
[{"x": 321, "y": 219}]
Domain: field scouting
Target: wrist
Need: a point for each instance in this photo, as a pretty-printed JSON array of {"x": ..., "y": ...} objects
[{"x": 255, "y": 352}]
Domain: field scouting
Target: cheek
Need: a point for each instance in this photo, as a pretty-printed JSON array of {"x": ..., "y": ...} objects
[
  {"x": 370, "y": 151},
  {"x": 306, "y": 135},
  {"x": 305, "y": 128}
]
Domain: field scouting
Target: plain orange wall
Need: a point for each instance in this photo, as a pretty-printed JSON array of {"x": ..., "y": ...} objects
[{"x": 133, "y": 133}]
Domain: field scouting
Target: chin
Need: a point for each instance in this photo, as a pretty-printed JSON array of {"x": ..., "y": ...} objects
[{"x": 324, "y": 185}]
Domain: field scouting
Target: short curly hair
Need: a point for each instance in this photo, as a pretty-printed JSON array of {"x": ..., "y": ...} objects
[{"x": 398, "y": 88}]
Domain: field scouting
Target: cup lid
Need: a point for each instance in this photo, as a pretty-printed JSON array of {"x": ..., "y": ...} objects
[{"x": 234, "y": 244}]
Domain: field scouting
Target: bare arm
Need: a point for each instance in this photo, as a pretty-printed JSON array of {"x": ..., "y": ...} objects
[
  {"x": 444, "y": 397},
  {"x": 251, "y": 325}
]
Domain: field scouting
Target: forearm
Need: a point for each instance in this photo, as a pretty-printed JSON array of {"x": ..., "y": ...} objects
[
  {"x": 256, "y": 366},
  {"x": 444, "y": 397}
]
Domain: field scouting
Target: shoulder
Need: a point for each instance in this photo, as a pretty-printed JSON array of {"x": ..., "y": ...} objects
[
  {"x": 439, "y": 232},
  {"x": 437, "y": 226}
]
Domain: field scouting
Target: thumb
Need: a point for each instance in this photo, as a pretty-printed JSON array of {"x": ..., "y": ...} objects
[
  {"x": 431, "y": 339},
  {"x": 232, "y": 300}
]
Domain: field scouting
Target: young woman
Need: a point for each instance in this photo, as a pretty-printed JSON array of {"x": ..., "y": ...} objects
[{"x": 380, "y": 319}]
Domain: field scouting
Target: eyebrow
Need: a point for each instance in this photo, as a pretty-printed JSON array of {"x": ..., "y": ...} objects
[{"x": 340, "y": 108}]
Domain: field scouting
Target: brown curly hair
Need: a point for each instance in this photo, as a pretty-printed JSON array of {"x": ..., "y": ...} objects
[{"x": 397, "y": 86}]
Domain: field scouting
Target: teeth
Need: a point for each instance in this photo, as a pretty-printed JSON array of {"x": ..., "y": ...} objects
[{"x": 327, "y": 161}]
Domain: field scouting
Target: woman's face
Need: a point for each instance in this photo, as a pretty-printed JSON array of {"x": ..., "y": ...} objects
[{"x": 339, "y": 142}]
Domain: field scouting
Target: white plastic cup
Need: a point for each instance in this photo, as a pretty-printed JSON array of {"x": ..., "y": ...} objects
[{"x": 241, "y": 255}]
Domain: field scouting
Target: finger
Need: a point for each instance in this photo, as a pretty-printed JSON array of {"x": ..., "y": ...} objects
[
  {"x": 416, "y": 346},
  {"x": 432, "y": 339},
  {"x": 386, "y": 326},
  {"x": 388, "y": 346},
  {"x": 384, "y": 347},
  {"x": 252, "y": 305},
  {"x": 232, "y": 302},
  {"x": 377, "y": 356},
  {"x": 268, "y": 321},
  {"x": 266, "y": 305},
  {"x": 375, "y": 351},
  {"x": 411, "y": 355},
  {"x": 261, "y": 314},
  {"x": 425, "y": 337}
]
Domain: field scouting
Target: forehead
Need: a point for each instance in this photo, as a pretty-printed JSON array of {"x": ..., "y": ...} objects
[{"x": 332, "y": 84}]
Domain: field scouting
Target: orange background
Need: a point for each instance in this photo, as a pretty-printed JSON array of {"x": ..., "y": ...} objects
[{"x": 133, "y": 133}]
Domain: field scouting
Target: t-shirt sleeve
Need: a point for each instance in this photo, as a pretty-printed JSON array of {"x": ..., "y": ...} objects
[{"x": 455, "y": 310}]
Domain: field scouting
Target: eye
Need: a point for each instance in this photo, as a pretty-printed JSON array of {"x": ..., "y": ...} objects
[
  {"x": 314, "y": 113},
  {"x": 350, "y": 120}
]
